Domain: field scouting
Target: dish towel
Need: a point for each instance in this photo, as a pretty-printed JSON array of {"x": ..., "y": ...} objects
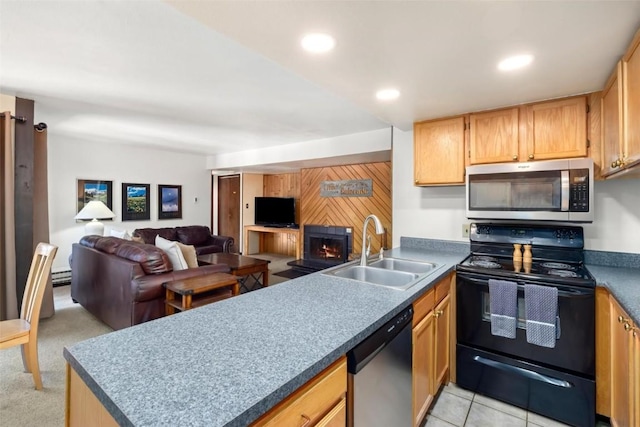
[
  {"x": 541, "y": 309},
  {"x": 503, "y": 306}
]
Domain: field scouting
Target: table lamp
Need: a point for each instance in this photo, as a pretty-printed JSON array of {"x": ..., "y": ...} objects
[{"x": 95, "y": 210}]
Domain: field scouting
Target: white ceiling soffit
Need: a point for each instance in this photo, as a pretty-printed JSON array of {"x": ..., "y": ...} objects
[
  {"x": 141, "y": 72},
  {"x": 441, "y": 55}
]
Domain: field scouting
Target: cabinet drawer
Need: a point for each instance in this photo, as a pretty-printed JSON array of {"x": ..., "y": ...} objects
[
  {"x": 423, "y": 305},
  {"x": 311, "y": 402},
  {"x": 442, "y": 289}
]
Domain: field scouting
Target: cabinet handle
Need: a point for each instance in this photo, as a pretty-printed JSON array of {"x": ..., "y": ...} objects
[
  {"x": 621, "y": 319},
  {"x": 515, "y": 158},
  {"x": 530, "y": 156},
  {"x": 628, "y": 327},
  {"x": 613, "y": 165},
  {"x": 306, "y": 419}
]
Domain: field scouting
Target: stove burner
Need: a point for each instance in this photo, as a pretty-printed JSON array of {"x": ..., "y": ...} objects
[
  {"x": 485, "y": 264},
  {"x": 562, "y": 273},
  {"x": 557, "y": 266}
]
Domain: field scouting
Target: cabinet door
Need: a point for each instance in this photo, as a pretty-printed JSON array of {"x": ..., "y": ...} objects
[
  {"x": 423, "y": 365},
  {"x": 611, "y": 114},
  {"x": 636, "y": 373},
  {"x": 559, "y": 129},
  {"x": 631, "y": 99},
  {"x": 442, "y": 313},
  {"x": 337, "y": 417},
  {"x": 439, "y": 152},
  {"x": 621, "y": 384},
  {"x": 494, "y": 136}
]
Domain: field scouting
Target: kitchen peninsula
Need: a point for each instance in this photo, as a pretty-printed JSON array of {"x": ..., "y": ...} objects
[{"x": 228, "y": 363}]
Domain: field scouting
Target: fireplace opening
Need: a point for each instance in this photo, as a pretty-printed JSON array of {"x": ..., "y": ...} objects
[
  {"x": 327, "y": 245},
  {"x": 328, "y": 249}
]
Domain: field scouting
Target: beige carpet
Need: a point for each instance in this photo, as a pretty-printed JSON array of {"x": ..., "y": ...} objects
[{"x": 20, "y": 403}]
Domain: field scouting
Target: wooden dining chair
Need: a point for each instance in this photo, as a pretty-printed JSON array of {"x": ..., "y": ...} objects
[{"x": 24, "y": 331}]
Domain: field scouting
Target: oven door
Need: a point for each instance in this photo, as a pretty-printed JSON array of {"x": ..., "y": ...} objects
[{"x": 574, "y": 351}]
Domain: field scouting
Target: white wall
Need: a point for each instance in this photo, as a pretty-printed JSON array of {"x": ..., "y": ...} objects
[
  {"x": 70, "y": 159},
  {"x": 439, "y": 212}
]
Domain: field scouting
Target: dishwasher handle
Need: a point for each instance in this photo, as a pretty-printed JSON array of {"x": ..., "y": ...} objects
[{"x": 360, "y": 355}]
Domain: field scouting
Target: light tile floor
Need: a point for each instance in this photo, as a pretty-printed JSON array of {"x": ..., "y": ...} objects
[{"x": 461, "y": 408}]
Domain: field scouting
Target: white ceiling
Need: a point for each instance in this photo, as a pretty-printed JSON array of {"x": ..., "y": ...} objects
[{"x": 216, "y": 77}]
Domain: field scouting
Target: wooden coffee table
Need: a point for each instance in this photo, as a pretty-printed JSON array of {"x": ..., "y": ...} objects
[
  {"x": 243, "y": 267},
  {"x": 198, "y": 291}
]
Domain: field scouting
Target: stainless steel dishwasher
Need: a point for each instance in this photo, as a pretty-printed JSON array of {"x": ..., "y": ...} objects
[{"x": 380, "y": 376}]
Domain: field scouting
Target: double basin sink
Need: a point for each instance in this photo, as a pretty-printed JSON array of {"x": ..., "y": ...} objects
[{"x": 394, "y": 273}]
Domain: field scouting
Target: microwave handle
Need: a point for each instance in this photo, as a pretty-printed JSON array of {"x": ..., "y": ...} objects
[{"x": 564, "y": 187}]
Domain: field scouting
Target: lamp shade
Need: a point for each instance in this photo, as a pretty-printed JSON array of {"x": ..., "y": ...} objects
[{"x": 95, "y": 209}]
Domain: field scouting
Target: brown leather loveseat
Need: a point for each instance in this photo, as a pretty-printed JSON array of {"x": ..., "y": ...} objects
[
  {"x": 120, "y": 281},
  {"x": 198, "y": 236}
]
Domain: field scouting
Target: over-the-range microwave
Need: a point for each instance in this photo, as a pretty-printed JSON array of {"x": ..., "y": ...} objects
[{"x": 553, "y": 190}]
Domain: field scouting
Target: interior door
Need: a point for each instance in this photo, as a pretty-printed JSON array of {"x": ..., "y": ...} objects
[{"x": 229, "y": 207}]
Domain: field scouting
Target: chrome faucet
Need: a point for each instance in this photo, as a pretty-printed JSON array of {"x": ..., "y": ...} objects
[{"x": 365, "y": 248}]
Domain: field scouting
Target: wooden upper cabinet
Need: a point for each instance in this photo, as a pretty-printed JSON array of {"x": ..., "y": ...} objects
[
  {"x": 611, "y": 114},
  {"x": 494, "y": 136},
  {"x": 559, "y": 129},
  {"x": 439, "y": 152},
  {"x": 631, "y": 103}
]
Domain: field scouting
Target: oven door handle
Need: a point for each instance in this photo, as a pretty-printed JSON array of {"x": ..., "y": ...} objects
[
  {"x": 524, "y": 372},
  {"x": 561, "y": 292}
]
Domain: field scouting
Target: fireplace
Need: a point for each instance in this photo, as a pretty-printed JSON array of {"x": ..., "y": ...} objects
[{"x": 326, "y": 246}]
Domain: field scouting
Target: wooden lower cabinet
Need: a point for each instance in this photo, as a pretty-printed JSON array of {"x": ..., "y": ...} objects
[
  {"x": 82, "y": 407},
  {"x": 320, "y": 402},
  {"x": 431, "y": 347},
  {"x": 625, "y": 393}
]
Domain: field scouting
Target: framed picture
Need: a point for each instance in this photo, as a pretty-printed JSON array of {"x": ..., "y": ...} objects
[
  {"x": 91, "y": 189},
  {"x": 169, "y": 201},
  {"x": 135, "y": 201}
]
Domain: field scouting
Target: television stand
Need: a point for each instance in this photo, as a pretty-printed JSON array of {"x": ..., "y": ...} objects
[{"x": 256, "y": 239}]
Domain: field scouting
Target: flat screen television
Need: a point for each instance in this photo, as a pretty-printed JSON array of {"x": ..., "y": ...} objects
[{"x": 275, "y": 211}]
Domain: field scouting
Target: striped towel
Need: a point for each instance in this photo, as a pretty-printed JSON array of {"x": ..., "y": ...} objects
[
  {"x": 503, "y": 306},
  {"x": 541, "y": 308}
]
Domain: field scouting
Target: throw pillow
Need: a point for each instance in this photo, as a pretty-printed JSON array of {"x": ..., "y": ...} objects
[
  {"x": 189, "y": 254},
  {"x": 173, "y": 252},
  {"x": 120, "y": 233}
]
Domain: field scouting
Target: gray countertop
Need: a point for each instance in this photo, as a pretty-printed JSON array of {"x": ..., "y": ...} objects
[
  {"x": 623, "y": 284},
  {"x": 227, "y": 363}
]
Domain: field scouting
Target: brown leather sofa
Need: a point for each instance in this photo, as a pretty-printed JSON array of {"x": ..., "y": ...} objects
[
  {"x": 120, "y": 281},
  {"x": 197, "y": 235}
]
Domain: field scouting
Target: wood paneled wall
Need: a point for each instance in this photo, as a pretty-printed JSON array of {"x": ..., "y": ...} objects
[
  {"x": 341, "y": 211},
  {"x": 349, "y": 211}
]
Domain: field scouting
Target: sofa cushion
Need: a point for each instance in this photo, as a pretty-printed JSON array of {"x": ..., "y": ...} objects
[
  {"x": 173, "y": 252},
  {"x": 123, "y": 234},
  {"x": 90, "y": 241},
  {"x": 151, "y": 259},
  {"x": 193, "y": 235},
  {"x": 108, "y": 244},
  {"x": 189, "y": 254},
  {"x": 149, "y": 234}
]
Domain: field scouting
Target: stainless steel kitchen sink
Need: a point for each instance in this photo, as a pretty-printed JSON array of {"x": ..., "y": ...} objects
[
  {"x": 403, "y": 265},
  {"x": 393, "y": 273},
  {"x": 378, "y": 276}
]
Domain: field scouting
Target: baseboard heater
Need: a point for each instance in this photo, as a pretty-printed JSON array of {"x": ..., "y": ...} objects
[{"x": 61, "y": 278}]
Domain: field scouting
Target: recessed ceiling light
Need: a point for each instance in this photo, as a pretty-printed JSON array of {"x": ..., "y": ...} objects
[
  {"x": 387, "y": 94},
  {"x": 514, "y": 62},
  {"x": 318, "y": 43}
]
